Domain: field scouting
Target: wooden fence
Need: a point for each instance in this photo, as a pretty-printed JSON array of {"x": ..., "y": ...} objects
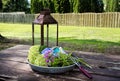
[
  {"x": 16, "y": 18},
  {"x": 69, "y": 19}
]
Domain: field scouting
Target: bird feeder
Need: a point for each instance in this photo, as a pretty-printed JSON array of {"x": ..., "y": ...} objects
[{"x": 44, "y": 18}]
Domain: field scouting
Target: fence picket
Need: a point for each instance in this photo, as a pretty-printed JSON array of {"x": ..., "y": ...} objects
[{"x": 108, "y": 19}]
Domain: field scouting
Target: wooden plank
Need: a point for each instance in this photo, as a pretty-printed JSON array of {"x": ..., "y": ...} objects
[{"x": 13, "y": 63}]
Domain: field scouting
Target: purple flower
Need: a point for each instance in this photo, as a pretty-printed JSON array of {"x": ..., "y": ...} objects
[
  {"x": 46, "y": 50},
  {"x": 47, "y": 60},
  {"x": 46, "y": 55}
]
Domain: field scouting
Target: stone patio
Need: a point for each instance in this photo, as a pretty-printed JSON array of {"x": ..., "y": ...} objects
[{"x": 14, "y": 67}]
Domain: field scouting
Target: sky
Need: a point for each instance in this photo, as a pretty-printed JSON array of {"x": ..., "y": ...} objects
[{"x": 29, "y": 1}]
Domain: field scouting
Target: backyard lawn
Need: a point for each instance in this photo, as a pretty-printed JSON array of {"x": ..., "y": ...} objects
[{"x": 93, "y": 39}]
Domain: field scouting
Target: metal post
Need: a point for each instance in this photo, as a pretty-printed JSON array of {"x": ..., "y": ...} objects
[
  {"x": 42, "y": 34},
  {"x": 32, "y": 33},
  {"x": 57, "y": 36},
  {"x": 47, "y": 35}
]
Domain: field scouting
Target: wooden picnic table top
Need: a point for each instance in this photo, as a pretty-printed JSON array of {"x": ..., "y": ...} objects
[{"x": 14, "y": 67}]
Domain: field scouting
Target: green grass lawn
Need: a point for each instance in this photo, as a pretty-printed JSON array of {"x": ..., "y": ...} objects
[{"x": 95, "y": 39}]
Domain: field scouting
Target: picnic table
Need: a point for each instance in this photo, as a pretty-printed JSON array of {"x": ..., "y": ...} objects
[{"x": 14, "y": 67}]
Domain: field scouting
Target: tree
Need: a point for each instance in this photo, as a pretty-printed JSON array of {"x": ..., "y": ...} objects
[
  {"x": 85, "y": 6},
  {"x": 36, "y": 6},
  {"x": 118, "y": 9},
  {"x": 71, "y": 5},
  {"x": 76, "y": 6},
  {"x": 1, "y": 5},
  {"x": 16, "y": 5},
  {"x": 97, "y": 6},
  {"x": 62, "y": 6},
  {"x": 51, "y": 6},
  {"x": 113, "y": 5},
  {"x": 39, "y": 5},
  {"x": 88, "y": 6},
  {"x": 56, "y": 5},
  {"x": 65, "y": 6}
]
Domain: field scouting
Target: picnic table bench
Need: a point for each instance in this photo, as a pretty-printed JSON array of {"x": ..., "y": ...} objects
[{"x": 14, "y": 67}]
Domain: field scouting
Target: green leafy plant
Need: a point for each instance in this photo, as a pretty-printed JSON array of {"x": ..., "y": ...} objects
[
  {"x": 62, "y": 60},
  {"x": 35, "y": 57}
]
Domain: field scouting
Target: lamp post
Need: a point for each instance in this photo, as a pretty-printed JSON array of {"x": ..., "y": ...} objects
[{"x": 44, "y": 19}]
